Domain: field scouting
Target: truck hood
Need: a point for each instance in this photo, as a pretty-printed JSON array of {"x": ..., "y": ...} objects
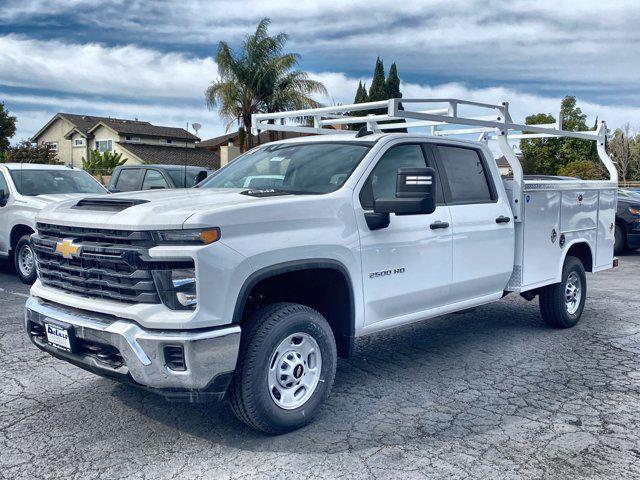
[
  {"x": 44, "y": 200},
  {"x": 158, "y": 209}
]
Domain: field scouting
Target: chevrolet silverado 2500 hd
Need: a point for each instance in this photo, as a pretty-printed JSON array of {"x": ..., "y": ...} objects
[
  {"x": 25, "y": 189},
  {"x": 225, "y": 291}
]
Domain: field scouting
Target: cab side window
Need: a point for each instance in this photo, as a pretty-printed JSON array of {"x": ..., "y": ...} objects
[
  {"x": 128, "y": 179},
  {"x": 382, "y": 180},
  {"x": 153, "y": 179},
  {"x": 466, "y": 175}
]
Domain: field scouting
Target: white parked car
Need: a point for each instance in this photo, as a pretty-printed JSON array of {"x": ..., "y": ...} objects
[
  {"x": 25, "y": 189},
  {"x": 250, "y": 294}
]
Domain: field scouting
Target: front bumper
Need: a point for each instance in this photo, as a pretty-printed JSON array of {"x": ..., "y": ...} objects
[{"x": 121, "y": 349}]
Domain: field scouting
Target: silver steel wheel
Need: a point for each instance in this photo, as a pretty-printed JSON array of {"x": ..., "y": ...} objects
[
  {"x": 573, "y": 293},
  {"x": 294, "y": 370},
  {"x": 26, "y": 261}
]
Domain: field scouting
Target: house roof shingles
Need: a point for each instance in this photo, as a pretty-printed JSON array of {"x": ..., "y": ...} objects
[{"x": 165, "y": 155}]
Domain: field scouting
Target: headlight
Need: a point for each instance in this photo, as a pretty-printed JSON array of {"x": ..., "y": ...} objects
[
  {"x": 194, "y": 236},
  {"x": 634, "y": 211},
  {"x": 177, "y": 288}
]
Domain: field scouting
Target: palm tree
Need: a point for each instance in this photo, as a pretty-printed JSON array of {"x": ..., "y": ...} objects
[{"x": 259, "y": 78}]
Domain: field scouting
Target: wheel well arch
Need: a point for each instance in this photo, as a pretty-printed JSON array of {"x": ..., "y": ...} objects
[
  {"x": 324, "y": 285},
  {"x": 17, "y": 232},
  {"x": 581, "y": 250}
]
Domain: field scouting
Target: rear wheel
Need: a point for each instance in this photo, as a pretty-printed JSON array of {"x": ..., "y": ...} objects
[
  {"x": 561, "y": 304},
  {"x": 619, "y": 240},
  {"x": 24, "y": 260},
  {"x": 285, "y": 370}
]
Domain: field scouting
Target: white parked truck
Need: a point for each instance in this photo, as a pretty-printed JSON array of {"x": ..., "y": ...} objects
[
  {"x": 224, "y": 291},
  {"x": 25, "y": 189}
]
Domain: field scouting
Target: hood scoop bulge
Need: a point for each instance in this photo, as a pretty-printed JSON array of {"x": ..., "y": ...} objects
[{"x": 107, "y": 204}]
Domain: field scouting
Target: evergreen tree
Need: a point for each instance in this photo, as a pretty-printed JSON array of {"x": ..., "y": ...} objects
[
  {"x": 392, "y": 85},
  {"x": 377, "y": 90},
  {"x": 361, "y": 94}
]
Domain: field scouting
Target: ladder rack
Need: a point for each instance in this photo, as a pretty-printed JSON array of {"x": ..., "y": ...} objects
[{"x": 495, "y": 124}]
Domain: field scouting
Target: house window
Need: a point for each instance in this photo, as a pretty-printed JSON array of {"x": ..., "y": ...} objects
[
  {"x": 129, "y": 138},
  {"x": 168, "y": 141},
  {"x": 104, "y": 145},
  {"x": 53, "y": 146},
  {"x": 78, "y": 142}
]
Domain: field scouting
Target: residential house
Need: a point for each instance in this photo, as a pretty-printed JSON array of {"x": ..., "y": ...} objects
[
  {"x": 226, "y": 147},
  {"x": 73, "y": 136}
]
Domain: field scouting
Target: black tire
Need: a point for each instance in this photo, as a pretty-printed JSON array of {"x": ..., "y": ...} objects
[
  {"x": 619, "y": 240},
  {"x": 249, "y": 394},
  {"x": 555, "y": 309},
  {"x": 22, "y": 251}
]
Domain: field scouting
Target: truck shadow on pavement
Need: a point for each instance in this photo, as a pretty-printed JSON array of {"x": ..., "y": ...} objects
[{"x": 447, "y": 379}]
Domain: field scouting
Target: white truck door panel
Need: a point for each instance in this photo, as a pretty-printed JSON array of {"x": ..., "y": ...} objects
[
  {"x": 4, "y": 217},
  {"x": 481, "y": 262},
  {"x": 406, "y": 267},
  {"x": 482, "y": 223}
]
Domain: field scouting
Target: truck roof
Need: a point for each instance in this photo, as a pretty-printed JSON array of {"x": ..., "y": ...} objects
[
  {"x": 35, "y": 166},
  {"x": 372, "y": 138}
]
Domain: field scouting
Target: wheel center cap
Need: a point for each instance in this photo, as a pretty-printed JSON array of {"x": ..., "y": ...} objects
[{"x": 297, "y": 372}]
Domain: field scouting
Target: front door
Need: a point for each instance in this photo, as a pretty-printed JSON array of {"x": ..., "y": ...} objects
[
  {"x": 4, "y": 218},
  {"x": 406, "y": 267}
]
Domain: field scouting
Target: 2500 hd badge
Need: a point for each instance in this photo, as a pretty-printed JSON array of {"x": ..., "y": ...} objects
[{"x": 386, "y": 273}]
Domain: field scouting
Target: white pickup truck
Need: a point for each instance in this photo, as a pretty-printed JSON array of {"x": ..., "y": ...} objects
[
  {"x": 25, "y": 189},
  {"x": 251, "y": 294}
]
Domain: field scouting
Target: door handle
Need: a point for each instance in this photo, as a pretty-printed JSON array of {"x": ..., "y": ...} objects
[
  {"x": 438, "y": 224},
  {"x": 503, "y": 219}
]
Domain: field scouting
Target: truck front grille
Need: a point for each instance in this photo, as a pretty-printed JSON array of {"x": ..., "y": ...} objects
[{"x": 108, "y": 264}]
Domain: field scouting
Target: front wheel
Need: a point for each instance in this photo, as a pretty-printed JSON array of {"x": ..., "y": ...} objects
[
  {"x": 24, "y": 260},
  {"x": 285, "y": 369},
  {"x": 561, "y": 304}
]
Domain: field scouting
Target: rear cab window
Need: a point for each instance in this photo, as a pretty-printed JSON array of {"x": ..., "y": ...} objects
[{"x": 465, "y": 176}]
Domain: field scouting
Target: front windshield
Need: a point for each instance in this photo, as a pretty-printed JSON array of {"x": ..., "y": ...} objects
[
  {"x": 292, "y": 168},
  {"x": 51, "y": 182}
]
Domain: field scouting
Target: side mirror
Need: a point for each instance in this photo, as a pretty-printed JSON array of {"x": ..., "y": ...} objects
[
  {"x": 415, "y": 193},
  {"x": 4, "y": 196}
]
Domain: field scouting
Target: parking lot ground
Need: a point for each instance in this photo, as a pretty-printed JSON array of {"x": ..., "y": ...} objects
[{"x": 489, "y": 393}]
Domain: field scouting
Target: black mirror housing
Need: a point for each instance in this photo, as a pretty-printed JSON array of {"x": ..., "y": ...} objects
[
  {"x": 415, "y": 193},
  {"x": 3, "y": 197}
]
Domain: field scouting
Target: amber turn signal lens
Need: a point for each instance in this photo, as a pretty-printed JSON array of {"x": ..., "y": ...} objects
[
  {"x": 634, "y": 211},
  {"x": 209, "y": 236}
]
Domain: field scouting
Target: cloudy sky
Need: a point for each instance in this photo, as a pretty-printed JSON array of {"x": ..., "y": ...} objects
[{"x": 153, "y": 59}]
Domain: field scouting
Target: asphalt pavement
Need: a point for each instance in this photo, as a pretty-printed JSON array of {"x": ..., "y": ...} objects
[{"x": 488, "y": 393}]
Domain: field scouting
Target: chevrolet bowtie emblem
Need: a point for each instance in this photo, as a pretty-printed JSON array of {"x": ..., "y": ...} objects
[{"x": 67, "y": 249}]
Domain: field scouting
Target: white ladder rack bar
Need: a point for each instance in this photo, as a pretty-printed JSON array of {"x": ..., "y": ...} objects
[{"x": 498, "y": 126}]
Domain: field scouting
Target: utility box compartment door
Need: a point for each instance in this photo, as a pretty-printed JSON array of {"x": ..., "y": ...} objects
[
  {"x": 606, "y": 224},
  {"x": 541, "y": 253},
  {"x": 579, "y": 210}
]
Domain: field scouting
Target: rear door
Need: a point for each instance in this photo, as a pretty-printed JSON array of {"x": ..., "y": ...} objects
[
  {"x": 406, "y": 267},
  {"x": 4, "y": 217},
  {"x": 154, "y": 180},
  {"x": 482, "y": 223}
]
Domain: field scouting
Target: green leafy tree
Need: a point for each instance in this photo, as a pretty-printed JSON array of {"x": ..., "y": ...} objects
[
  {"x": 27, "y": 152},
  {"x": 582, "y": 168},
  {"x": 7, "y": 128},
  {"x": 102, "y": 164},
  {"x": 545, "y": 156},
  {"x": 259, "y": 77}
]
